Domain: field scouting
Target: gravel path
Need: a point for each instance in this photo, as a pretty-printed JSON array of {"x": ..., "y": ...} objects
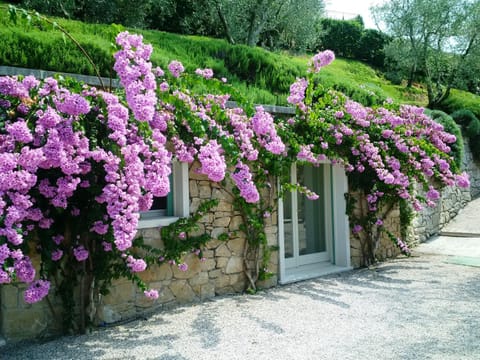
[{"x": 410, "y": 308}]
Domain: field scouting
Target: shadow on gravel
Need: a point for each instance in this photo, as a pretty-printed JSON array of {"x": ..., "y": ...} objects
[
  {"x": 266, "y": 325},
  {"x": 92, "y": 346},
  {"x": 312, "y": 290},
  {"x": 205, "y": 328}
]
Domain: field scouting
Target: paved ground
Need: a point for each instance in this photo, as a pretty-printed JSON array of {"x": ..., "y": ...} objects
[{"x": 423, "y": 307}]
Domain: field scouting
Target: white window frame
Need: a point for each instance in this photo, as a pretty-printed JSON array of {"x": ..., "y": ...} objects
[{"x": 181, "y": 200}]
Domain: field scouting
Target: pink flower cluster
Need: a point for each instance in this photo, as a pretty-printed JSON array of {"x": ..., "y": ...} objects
[
  {"x": 206, "y": 73},
  {"x": 135, "y": 72},
  {"x": 297, "y": 93},
  {"x": 80, "y": 253},
  {"x": 36, "y": 291},
  {"x": 136, "y": 265},
  {"x": 212, "y": 160},
  {"x": 151, "y": 294},
  {"x": 243, "y": 180},
  {"x": 322, "y": 59},
  {"x": 56, "y": 156},
  {"x": 264, "y": 128}
]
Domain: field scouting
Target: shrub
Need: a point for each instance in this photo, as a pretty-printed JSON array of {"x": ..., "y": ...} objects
[
  {"x": 473, "y": 129},
  {"x": 451, "y": 127},
  {"x": 471, "y": 126},
  {"x": 463, "y": 117},
  {"x": 461, "y": 100}
]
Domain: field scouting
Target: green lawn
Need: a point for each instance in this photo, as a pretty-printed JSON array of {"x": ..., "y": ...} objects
[{"x": 260, "y": 75}]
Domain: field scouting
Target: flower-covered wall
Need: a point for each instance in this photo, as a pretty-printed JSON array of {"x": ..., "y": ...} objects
[{"x": 220, "y": 271}]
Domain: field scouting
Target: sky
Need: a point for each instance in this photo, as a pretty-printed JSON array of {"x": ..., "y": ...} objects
[{"x": 350, "y": 8}]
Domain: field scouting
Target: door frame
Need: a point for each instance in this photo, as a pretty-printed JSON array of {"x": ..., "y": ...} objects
[
  {"x": 297, "y": 259},
  {"x": 338, "y": 248}
]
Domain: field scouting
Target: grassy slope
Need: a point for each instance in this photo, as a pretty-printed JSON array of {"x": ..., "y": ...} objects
[{"x": 262, "y": 76}]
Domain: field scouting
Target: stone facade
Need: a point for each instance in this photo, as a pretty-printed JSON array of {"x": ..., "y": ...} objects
[
  {"x": 430, "y": 221},
  {"x": 472, "y": 167},
  {"x": 386, "y": 248},
  {"x": 222, "y": 269}
]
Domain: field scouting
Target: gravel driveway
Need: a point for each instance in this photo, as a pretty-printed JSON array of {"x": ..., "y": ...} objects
[{"x": 420, "y": 307}]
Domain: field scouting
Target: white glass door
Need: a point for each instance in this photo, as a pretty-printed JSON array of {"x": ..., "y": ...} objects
[{"x": 307, "y": 223}]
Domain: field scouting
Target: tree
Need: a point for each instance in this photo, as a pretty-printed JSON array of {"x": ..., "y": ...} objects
[
  {"x": 437, "y": 38},
  {"x": 278, "y": 23},
  {"x": 349, "y": 31}
]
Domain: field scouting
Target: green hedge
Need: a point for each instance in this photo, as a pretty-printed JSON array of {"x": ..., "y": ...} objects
[
  {"x": 266, "y": 75},
  {"x": 471, "y": 127},
  {"x": 461, "y": 100},
  {"x": 452, "y": 127}
]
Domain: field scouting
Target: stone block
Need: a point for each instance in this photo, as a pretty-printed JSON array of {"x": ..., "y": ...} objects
[
  {"x": 274, "y": 258},
  {"x": 204, "y": 190},
  {"x": 199, "y": 279},
  {"x": 194, "y": 204},
  {"x": 272, "y": 239},
  {"x": 194, "y": 267},
  {"x": 182, "y": 291},
  {"x": 199, "y": 231},
  {"x": 120, "y": 293},
  {"x": 239, "y": 278},
  {"x": 234, "y": 265},
  {"x": 214, "y": 243},
  {"x": 221, "y": 282},
  {"x": 235, "y": 223},
  {"x": 221, "y": 262},
  {"x": 207, "y": 291},
  {"x": 236, "y": 246},
  {"x": 193, "y": 187},
  {"x": 206, "y": 219},
  {"x": 225, "y": 196},
  {"x": 208, "y": 254},
  {"x": 25, "y": 324},
  {"x": 222, "y": 251},
  {"x": 224, "y": 290},
  {"x": 152, "y": 236},
  {"x": 216, "y": 232},
  {"x": 164, "y": 272},
  {"x": 107, "y": 314},
  {"x": 9, "y": 297},
  {"x": 224, "y": 206},
  {"x": 213, "y": 274},
  {"x": 165, "y": 296},
  {"x": 356, "y": 252},
  {"x": 268, "y": 283},
  {"x": 208, "y": 265},
  {"x": 222, "y": 222},
  {"x": 195, "y": 175}
]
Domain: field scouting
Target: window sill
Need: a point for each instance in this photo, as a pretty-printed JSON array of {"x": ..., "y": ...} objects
[{"x": 156, "y": 222}]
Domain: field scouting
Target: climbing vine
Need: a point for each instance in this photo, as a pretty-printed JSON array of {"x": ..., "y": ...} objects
[{"x": 79, "y": 164}]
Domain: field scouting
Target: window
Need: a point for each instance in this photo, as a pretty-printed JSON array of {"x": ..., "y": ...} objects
[{"x": 168, "y": 209}]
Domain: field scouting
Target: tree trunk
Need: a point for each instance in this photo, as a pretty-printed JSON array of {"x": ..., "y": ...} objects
[
  {"x": 223, "y": 19},
  {"x": 256, "y": 22},
  {"x": 411, "y": 77}
]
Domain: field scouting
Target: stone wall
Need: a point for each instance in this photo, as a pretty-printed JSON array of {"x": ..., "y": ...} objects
[
  {"x": 386, "y": 248},
  {"x": 430, "y": 221},
  {"x": 472, "y": 167},
  {"x": 221, "y": 271}
]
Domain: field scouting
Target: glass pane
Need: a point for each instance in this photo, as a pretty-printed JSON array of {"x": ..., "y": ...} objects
[
  {"x": 311, "y": 213},
  {"x": 288, "y": 224}
]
